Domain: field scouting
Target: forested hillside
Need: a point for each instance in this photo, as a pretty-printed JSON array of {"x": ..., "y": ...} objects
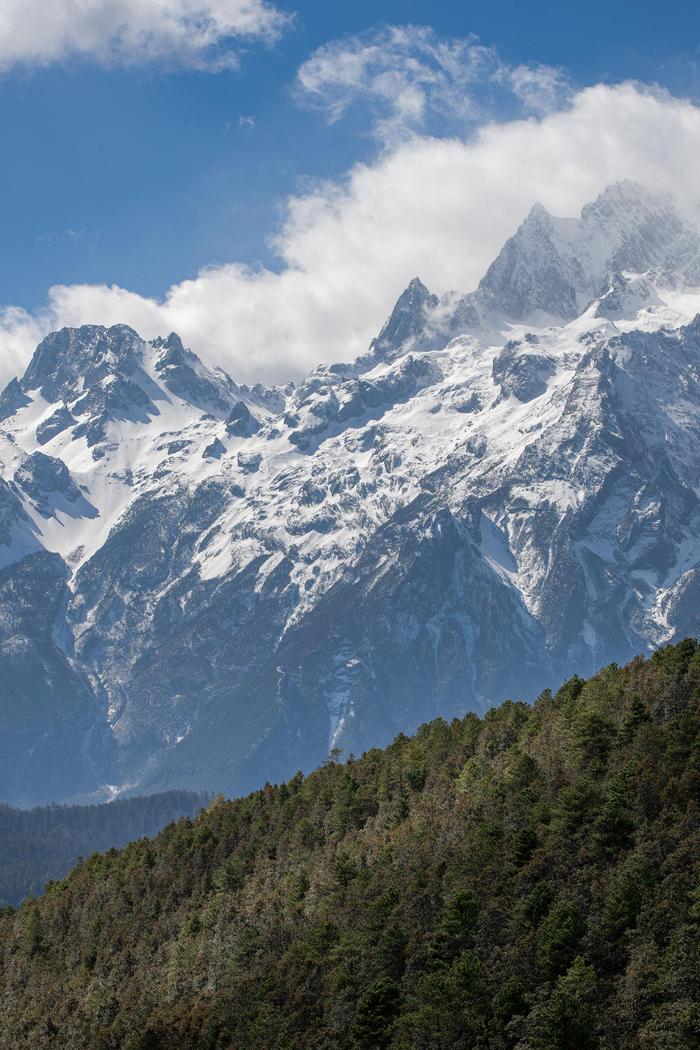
[
  {"x": 529, "y": 880},
  {"x": 41, "y": 844}
]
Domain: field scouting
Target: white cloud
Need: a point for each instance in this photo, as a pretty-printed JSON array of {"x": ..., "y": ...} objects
[
  {"x": 19, "y": 333},
  {"x": 437, "y": 208},
  {"x": 408, "y": 75},
  {"x": 541, "y": 89},
  {"x": 196, "y": 34}
]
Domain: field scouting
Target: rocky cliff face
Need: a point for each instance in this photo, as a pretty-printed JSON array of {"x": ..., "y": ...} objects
[{"x": 208, "y": 586}]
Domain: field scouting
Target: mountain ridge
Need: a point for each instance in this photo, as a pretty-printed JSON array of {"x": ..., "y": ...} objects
[{"x": 495, "y": 495}]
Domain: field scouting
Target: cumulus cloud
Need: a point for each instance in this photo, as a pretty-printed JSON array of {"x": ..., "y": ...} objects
[
  {"x": 195, "y": 34},
  {"x": 19, "y": 331},
  {"x": 439, "y": 208},
  {"x": 408, "y": 75}
]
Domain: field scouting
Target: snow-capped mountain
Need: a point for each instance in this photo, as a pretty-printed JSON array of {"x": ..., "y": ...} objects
[{"x": 206, "y": 585}]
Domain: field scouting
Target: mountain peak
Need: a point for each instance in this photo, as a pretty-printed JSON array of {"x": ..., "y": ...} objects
[
  {"x": 538, "y": 216},
  {"x": 74, "y": 359},
  {"x": 558, "y": 265},
  {"x": 406, "y": 321},
  {"x": 635, "y": 229},
  {"x": 530, "y": 274},
  {"x": 430, "y": 528},
  {"x": 625, "y": 197},
  {"x": 172, "y": 342},
  {"x": 185, "y": 375},
  {"x": 416, "y": 287}
]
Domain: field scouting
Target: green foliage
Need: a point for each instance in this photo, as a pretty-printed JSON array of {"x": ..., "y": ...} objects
[
  {"x": 595, "y": 736},
  {"x": 559, "y": 936},
  {"x": 536, "y": 904},
  {"x": 524, "y": 846},
  {"x": 566, "y": 1021},
  {"x": 392, "y": 952},
  {"x": 449, "y": 1009},
  {"x": 376, "y": 1012},
  {"x": 630, "y": 885},
  {"x": 577, "y": 805},
  {"x": 510, "y": 1001},
  {"x": 33, "y": 938},
  {"x": 415, "y": 775},
  {"x": 614, "y": 826},
  {"x": 455, "y": 930},
  {"x": 527, "y": 880},
  {"x": 230, "y": 876},
  {"x": 345, "y": 870},
  {"x": 570, "y": 691},
  {"x": 635, "y": 718},
  {"x": 299, "y": 886}
]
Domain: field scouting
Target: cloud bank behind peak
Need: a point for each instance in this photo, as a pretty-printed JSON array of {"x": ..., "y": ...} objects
[{"x": 437, "y": 206}]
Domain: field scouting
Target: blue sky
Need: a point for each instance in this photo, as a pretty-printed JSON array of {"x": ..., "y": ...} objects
[
  {"x": 265, "y": 176},
  {"x": 143, "y": 176}
]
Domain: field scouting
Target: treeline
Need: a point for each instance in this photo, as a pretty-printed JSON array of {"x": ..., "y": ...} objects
[
  {"x": 43, "y": 844},
  {"x": 527, "y": 881}
]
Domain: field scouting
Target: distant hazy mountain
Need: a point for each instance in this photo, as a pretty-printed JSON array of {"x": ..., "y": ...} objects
[
  {"x": 206, "y": 586},
  {"x": 41, "y": 845}
]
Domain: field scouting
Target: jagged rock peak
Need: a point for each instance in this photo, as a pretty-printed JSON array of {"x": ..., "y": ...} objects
[
  {"x": 414, "y": 297},
  {"x": 172, "y": 342},
  {"x": 538, "y": 216},
  {"x": 186, "y": 376},
  {"x": 406, "y": 321},
  {"x": 12, "y": 399},
  {"x": 415, "y": 288},
  {"x": 75, "y": 359},
  {"x": 241, "y": 422},
  {"x": 626, "y": 198},
  {"x": 558, "y": 265},
  {"x": 174, "y": 353},
  {"x": 531, "y": 273}
]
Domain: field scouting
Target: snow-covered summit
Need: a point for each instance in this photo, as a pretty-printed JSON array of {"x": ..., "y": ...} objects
[
  {"x": 502, "y": 491},
  {"x": 556, "y": 266},
  {"x": 552, "y": 269}
]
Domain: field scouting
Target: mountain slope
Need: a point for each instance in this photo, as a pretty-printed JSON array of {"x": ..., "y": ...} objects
[
  {"x": 530, "y": 879},
  {"x": 503, "y": 491}
]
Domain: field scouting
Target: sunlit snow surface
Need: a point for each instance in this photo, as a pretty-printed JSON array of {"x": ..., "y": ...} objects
[{"x": 362, "y": 473}]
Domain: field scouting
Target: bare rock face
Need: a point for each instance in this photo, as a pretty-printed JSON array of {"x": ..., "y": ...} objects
[
  {"x": 523, "y": 374},
  {"x": 241, "y": 422},
  {"x": 407, "y": 321},
  {"x": 55, "y": 740},
  {"x": 80, "y": 359},
  {"x": 56, "y": 423},
  {"x": 208, "y": 586},
  {"x": 47, "y": 482},
  {"x": 184, "y": 375},
  {"x": 12, "y": 399}
]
